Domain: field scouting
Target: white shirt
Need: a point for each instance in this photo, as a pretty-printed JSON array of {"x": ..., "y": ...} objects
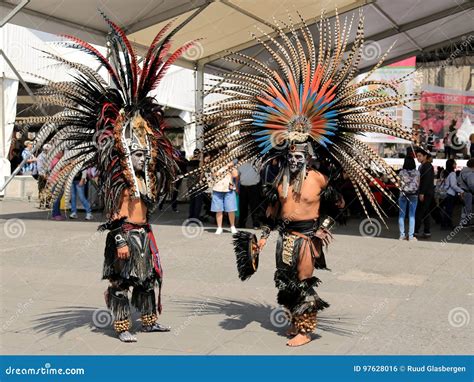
[{"x": 223, "y": 184}]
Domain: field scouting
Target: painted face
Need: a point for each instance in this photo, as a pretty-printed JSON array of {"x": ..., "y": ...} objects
[
  {"x": 138, "y": 160},
  {"x": 296, "y": 159}
]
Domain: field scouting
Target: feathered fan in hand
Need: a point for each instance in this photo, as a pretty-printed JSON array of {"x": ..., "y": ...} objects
[
  {"x": 99, "y": 120},
  {"x": 306, "y": 95}
]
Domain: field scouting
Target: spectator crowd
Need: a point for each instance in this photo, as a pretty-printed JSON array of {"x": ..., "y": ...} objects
[{"x": 235, "y": 193}]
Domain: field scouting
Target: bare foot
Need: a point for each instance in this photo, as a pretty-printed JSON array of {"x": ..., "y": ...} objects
[
  {"x": 292, "y": 331},
  {"x": 299, "y": 340}
]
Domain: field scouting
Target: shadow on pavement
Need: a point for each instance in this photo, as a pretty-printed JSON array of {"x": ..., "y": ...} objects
[
  {"x": 239, "y": 314},
  {"x": 68, "y": 318}
]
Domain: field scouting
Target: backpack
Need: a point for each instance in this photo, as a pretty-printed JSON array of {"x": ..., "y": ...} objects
[{"x": 410, "y": 182}]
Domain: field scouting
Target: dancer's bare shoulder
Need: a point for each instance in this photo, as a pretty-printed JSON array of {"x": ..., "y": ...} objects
[{"x": 317, "y": 177}]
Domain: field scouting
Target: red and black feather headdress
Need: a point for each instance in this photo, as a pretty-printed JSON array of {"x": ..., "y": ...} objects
[{"x": 99, "y": 119}]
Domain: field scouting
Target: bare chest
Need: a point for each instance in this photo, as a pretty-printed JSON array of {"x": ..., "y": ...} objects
[
  {"x": 133, "y": 208},
  {"x": 310, "y": 192}
]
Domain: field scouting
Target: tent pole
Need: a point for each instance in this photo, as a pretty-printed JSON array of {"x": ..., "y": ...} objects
[
  {"x": 31, "y": 94},
  {"x": 14, "y": 11},
  {"x": 199, "y": 100}
]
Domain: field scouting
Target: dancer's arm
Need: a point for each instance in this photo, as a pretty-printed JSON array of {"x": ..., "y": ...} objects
[{"x": 269, "y": 224}]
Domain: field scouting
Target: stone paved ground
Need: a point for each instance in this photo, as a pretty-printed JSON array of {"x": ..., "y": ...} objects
[{"x": 387, "y": 296}]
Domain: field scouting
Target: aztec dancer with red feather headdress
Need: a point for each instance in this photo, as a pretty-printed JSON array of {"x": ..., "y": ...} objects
[{"x": 117, "y": 128}]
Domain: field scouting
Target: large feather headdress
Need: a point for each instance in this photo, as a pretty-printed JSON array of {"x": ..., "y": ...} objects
[
  {"x": 99, "y": 121},
  {"x": 307, "y": 95}
]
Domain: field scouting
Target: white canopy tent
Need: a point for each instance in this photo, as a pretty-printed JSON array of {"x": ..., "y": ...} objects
[{"x": 227, "y": 24}]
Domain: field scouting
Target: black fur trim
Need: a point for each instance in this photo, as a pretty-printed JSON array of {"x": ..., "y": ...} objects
[
  {"x": 242, "y": 244},
  {"x": 299, "y": 296},
  {"x": 309, "y": 305},
  {"x": 111, "y": 224},
  {"x": 144, "y": 300},
  {"x": 117, "y": 302}
]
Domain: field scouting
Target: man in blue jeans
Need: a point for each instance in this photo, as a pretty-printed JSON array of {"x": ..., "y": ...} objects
[{"x": 78, "y": 188}]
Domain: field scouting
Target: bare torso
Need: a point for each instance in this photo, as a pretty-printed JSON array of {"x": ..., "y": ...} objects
[
  {"x": 133, "y": 209},
  {"x": 304, "y": 206}
]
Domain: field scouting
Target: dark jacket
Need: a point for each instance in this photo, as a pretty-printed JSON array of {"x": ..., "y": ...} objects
[{"x": 426, "y": 179}]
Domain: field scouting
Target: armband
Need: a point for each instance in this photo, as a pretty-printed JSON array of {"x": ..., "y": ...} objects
[
  {"x": 119, "y": 238},
  {"x": 266, "y": 230}
]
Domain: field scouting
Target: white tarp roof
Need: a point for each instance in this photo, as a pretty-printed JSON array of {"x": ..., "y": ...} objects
[
  {"x": 23, "y": 48},
  {"x": 227, "y": 24}
]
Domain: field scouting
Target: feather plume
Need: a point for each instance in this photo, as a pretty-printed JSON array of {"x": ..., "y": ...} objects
[{"x": 307, "y": 94}]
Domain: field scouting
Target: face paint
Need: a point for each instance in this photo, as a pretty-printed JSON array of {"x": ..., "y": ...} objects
[
  {"x": 297, "y": 160},
  {"x": 138, "y": 160}
]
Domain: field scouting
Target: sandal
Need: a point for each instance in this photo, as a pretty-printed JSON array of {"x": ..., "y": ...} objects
[
  {"x": 156, "y": 327},
  {"x": 127, "y": 337}
]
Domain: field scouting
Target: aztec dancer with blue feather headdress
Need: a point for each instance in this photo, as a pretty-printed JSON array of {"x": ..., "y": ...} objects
[{"x": 304, "y": 109}]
